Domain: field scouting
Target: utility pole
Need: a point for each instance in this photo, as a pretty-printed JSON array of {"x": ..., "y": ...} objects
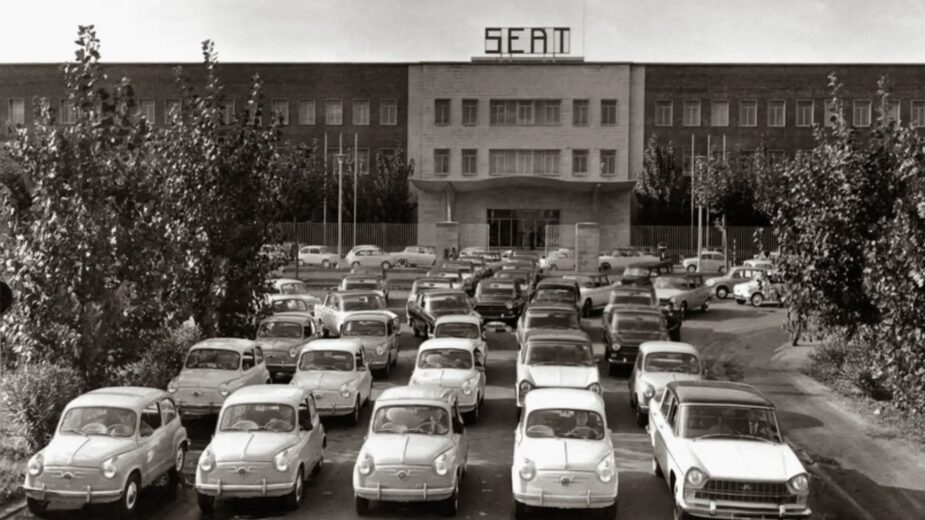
[
  {"x": 340, "y": 194},
  {"x": 324, "y": 162},
  {"x": 356, "y": 168}
]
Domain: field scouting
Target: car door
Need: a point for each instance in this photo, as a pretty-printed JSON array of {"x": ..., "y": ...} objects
[
  {"x": 170, "y": 421},
  {"x": 661, "y": 428},
  {"x": 364, "y": 377},
  {"x": 263, "y": 372},
  {"x": 153, "y": 442},
  {"x": 307, "y": 437},
  {"x": 460, "y": 437},
  {"x": 250, "y": 373}
]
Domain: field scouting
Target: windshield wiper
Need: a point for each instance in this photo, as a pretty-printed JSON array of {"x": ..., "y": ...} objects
[{"x": 734, "y": 436}]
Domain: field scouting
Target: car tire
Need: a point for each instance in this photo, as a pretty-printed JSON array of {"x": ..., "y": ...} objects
[
  {"x": 319, "y": 466},
  {"x": 355, "y": 264},
  {"x": 473, "y": 416},
  {"x": 722, "y": 269},
  {"x": 451, "y": 504},
  {"x": 740, "y": 302},
  {"x": 175, "y": 474},
  {"x": 354, "y": 418},
  {"x": 127, "y": 505},
  {"x": 586, "y": 309},
  {"x": 361, "y": 505},
  {"x": 692, "y": 268},
  {"x": 757, "y": 299},
  {"x": 294, "y": 499},
  {"x": 325, "y": 264},
  {"x": 605, "y": 267},
  {"x": 387, "y": 371},
  {"x": 37, "y": 507},
  {"x": 520, "y": 510},
  {"x": 705, "y": 307},
  {"x": 722, "y": 292},
  {"x": 656, "y": 469},
  {"x": 206, "y": 503}
]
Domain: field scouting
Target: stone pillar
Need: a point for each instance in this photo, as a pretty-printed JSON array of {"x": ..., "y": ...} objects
[
  {"x": 450, "y": 203},
  {"x": 446, "y": 240},
  {"x": 587, "y": 246}
]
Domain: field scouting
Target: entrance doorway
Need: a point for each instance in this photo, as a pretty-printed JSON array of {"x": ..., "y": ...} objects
[{"x": 520, "y": 228}]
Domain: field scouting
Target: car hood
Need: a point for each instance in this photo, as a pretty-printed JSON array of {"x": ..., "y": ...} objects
[
  {"x": 413, "y": 449},
  {"x": 668, "y": 293},
  {"x": 204, "y": 377},
  {"x": 564, "y": 454},
  {"x": 92, "y": 450},
  {"x": 661, "y": 379},
  {"x": 722, "y": 459},
  {"x": 370, "y": 341},
  {"x": 492, "y": 300},
  {"x": 249, "y": 446},
  {"x": 561, "y": 376},
  {"x": 445, "y": 377},
  {"x": 279, "y": 344},
  {"x": 635, "y": 338},
  {"x": 709, "y": 282},
  {"x": 528, "y": 333},
  {"x": 322, "y": 379}
]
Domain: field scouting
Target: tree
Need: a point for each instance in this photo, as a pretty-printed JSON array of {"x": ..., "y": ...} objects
[{"x": 662, "y": 189}]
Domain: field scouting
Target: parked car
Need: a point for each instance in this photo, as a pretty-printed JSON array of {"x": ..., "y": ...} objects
[
  {"x": 430, "y": 305},
  {"x": 628, "y": 328},
  {"x": 368, "y": 256},
  {"x": 378, "y": 335},
  {"x": 546, "y": 317},
  {"x": 285, "y": 303},
  {"x": 644, "y": 272},
  {"x": 563, "y": 454},
  {"x": 268, "y": 441},
  {"x": 759, "y": 263},
  {"x": 557, "y": 290},
  {"x": 452, "y": 274},
  {"x": 562, "y": 259},
  {"x": 110, "y": 444},
  {"x": 322, "y": 256},
  {"x": 335, "y": 372},
  {"x": 499, "y": 300},
  {"x": 474, "y": 251},
  {"x": 416, "y": 450},
  {"x": 594, "y": 289},
  {"x": 767, "y": 287},
  {"x": 710, "y": 262},
  {"x": 455, "y": 364},
  {"x": 365, "y": 282},
  {"x": 290, "y": 288},
  {"x": 624, "y": 257},
  {"x": 560, "y": 359},
  {"x": 478, "y": 264},
  {"x": 465, "y": 326},
  {"x": 466, "y": 270},
  {"x": 281, "y": 336},
  {"x": 421, "y": 285},
  {"x": 528, "y": 266},
  {"x": 720, "y": 449},
  {"x": 659, "y": 363},
  {"x": 683, "y": 292},
  {"x": 722, "y": 285},
  {"x": 415, "y": 256},
  {"x": 339, "y": 304},
  {"x": 214, "y": 369},
  {"x": 622, "y": 296},
  {"x": 523, "y": 278}
]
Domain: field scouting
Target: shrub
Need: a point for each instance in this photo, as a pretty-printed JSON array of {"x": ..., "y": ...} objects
[
  {"x": 36, "y": 395},
  {"x": 847, "y": 367},
  {"x": 161, "y": 362}
]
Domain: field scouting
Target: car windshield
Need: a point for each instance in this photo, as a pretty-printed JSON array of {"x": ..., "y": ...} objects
[
  {"x": 457, "y": 330},
  {"x": 446, "y": 358},
  {"x": 355, "y": 284},
  {"x": 336, "y": 360},
  {"x": 628, "y": 298},
  {"x": 366, "y": 302},
  {"x": 213, "y": 359},
  {"x": 425, "y": 420},
  {"x": 511, "y": 275},
  {"x": 99, "y": 420},
  {"x": 745, "y": 422},
  {"x": 672, "y": 362},
  {"x": 432, "y": 284},
  {"x": 565, "y": 424},
  {"x": 560, "y": 354},
  {"x": 258, "y": 417},
  {"x": 447, "y": 301},
  {"x": 637, "y": 323},
  {"x": 364, "y": 328},
  {"x": 495, "y": 289},
  {"x": 290, "y": 304},
  {"x": 293, "y": 288},
  {"x": 552, "y": 320},
  {"x": 583, "y": 281},
  {"x": 671, "y": 282},
  {"x": 280, "y": 329},
  {"x": 550, "y": 294}
]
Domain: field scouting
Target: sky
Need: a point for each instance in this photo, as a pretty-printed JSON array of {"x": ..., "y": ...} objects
[{"x": 435, "y": 30}]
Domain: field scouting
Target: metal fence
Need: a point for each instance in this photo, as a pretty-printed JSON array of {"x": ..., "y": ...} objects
[{"x": 390, "y": 237}]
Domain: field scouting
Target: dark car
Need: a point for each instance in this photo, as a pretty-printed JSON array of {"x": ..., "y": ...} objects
[
  {"x": 523, "y": 278},
  {"x": 642, "y": 273},
  {"x": 499, "y": 300},
  {"x": 628, "y": 328},
  {"x": 457, "y": 274},
  {"x": 635, "y": 296},
  {"x": 557, "y": 290},
  {"x": 547, "y": 316},
  {"x": 430, "y": 305}
]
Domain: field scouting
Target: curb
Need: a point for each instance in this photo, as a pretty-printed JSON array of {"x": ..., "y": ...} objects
[{"x": 12, "y": 509}]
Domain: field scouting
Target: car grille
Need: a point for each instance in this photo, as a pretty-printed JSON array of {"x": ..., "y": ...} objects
[
  {"x": 744, "y": 491},
  {"x": 627, "y": 350},
  {"x": 69, "y": 478},
  {"x": 243, "y": 472},
  {"x": 198, "y": 395},
  {"x": 403, "y": 476}
]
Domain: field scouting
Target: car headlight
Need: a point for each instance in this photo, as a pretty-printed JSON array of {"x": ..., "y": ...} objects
[
  {"x": 605, "y": 470},
  {"x": 799, "y": 485},
  {"x": 344, "y": 391},
  {"x": 293, "y": 352},
  {"x": 649, "y": 392},
  {"x": 365, "y": 464},
  {"x": 172, "y": 386},
  {"x": 207, "y": 461},
  {"x": 527, "y": 470},
  {"x": 525, "y": 386},
  {"x": 380, "y": 350},
  {"x": 509, "y": 305},
  {"x": 441, "y": 464},
  {"x": 695, "y": 478},
  {"x": 108, "y": 468},
  {"x": 616, "y": 347},
  {"x": 596, "y": 388},
  {"x": 223, "y": 389},
  {"x": 36, "y": 465},
  {"x": 280, "y": 461},
  {"x": 467, "y": 388}
]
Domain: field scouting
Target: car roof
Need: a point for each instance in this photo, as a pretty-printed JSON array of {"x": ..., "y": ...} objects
[
  {"x": 674, "y": 347},
  {"x": 495, "y": 279},
  {"x": 636, "y": 310},
  {"x": 130, "y": 397},
  {"x": 718, "y": 392},
  {"x": 557, "y": 281},
  {"x": 563, "y": 398},
  {"x": 458, "y": 318},
  {"x": 280, "y": 281},
  {"x": 418, "y": 393},
  {"x": 460, "y": 343},
  {"x": 368, "y": 315},
  {"x": 340, "y": 344},
  {"x": 369, "y": 276},
  {"x": 647, "y": 289},
  {"x": 357, "y": 292},
  {"x": 236, "y": 344},
  {"x": 562, "y": 335},
  {"x": 284, "y": 394},
  {"x": 551, "y": 307},
  {"x": 300, "y": 316},
  {"x": 431, "y": 279},
  {"x": 444, "y": 292}
]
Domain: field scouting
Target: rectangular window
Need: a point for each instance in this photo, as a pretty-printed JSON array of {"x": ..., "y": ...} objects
[
  {"x": 442, "y": 161},
  {"x": 441, "y": 112},
  {"x": 361, "y": 112},
  {"x": 664, "y": 113},
  {"x": 608, "y": 162},
  {"x": 691, "y": 114},
  {"x": 918, "y": 114},
  {"x": 470, "y": 162},
  {"x": 608, "y": 112},
  {"x": 748, "y": 113},
  {"x": 525, "y": 162},
  {"x": 146, "y": 107},
  {"x": 172, "y": 108},
  {"x": 227, "y": 112},
  {"x": 333, "y": 112},
  {"x": 830, "y": 113},
  {"x": 280, "y": 109},
  {"x": 67, "y": 114},
  {"x": 307, "y": 112},
  {"x": 861, "y": 114},
  {"x": 17, "y": 111},
  {"x": 804, "y": 114},
  {"x": 719, "y": 113},
  {"x": 470, "y": 112},
  {"x": 579, "y": 162},
  {"x": 580, "y": 112},
  {"x": 388, "y": 112},
  {"x": 362, "y": 158},
  {"x": 777, "y": 114},
  {"x": 524, "y": 112},
  {"x": 893, "y": 111}
]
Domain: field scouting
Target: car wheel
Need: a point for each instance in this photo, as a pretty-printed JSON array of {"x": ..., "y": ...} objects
[
  {"x": 175, "y": 475},
  {"x": 656, "y": 469},
  {"x": 586, "y": 309},
  {"x": 692, "y": 268},
  {"x": 355, "y": 413},
  {"x": 362, "y": 505},
  {"x": 37, "y": 507},
  {"x": 451, "y": 505},
  {"x": 683, "y": 310},
  {"x": 722, "y": 292},
  {"x": 386, "y": 266},
  {"x": 757, "y": 299},
  {"x": 387, "y": 371},
  {"x": 355, "y": 264},
  {"x": 473, "y": 416},
  {"x": 722, "y": 269},
  {"x": 605, "y": 267},
  {"x": 520, "y": 510},
  {"x": 294, "y": 498},
  {"x": 740, "y": 302},
  {"x": 318, "y": 467},
  {"x": 206, "y": 503},
  {"x": 325, "y": 264},
  {"x": 127, "y": 504}
]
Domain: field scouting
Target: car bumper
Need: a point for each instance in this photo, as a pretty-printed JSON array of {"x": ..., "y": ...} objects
[
  {"x": 467, "y": 403},
  {"x": 278, "y": 371},
  {"x": 73, "y": 498},
  {"x": 199, "y": 410},
  {"x": 416, "y": 494},
  {"x": 264, "y": 489},
  {"x": 334, "y": 409},
  {"x": 622, "y": 358},
  {"x": 734, "y": 512},
  {"x": 552, "y": 494},
  {"x": 377, "y": 361}
]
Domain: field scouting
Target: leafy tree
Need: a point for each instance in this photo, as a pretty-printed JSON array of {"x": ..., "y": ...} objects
[{"x": 662, "y": 189}]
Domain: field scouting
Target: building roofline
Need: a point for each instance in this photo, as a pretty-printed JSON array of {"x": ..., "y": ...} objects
[{"x": 491, "y": 61}]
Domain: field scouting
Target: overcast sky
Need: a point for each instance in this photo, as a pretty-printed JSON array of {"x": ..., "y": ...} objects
[{"x": 425, "y": 30}]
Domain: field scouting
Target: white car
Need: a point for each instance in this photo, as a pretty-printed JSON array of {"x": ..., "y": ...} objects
[
  {"x": 335, "y": 372},
  {"x": 339, "y": 304},
  {"x": 595, "y": 290},
  {"x": 720, "y": 449},
  {"x": 723, "y": 285},
  {"x": 562, "y": 259},
  {"x": 290, "y": 288},
  {"x": 710, "y": 262},
  {"x": 563, "y": 454},
  {"x": 561, "y": 359},
  {"x": 452, "y": 363},
  {"x": 368, "y": 256},
  {"x": 624, "y": 257},
  {"x": 465, "y": 326},
  {"x": 659, "y": 363},
  {"x": 415, "y": 256},
  {"x": 322, "y": 256}
]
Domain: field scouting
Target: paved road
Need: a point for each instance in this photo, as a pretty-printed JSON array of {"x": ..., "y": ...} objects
[{"x": 486, "y": 490}]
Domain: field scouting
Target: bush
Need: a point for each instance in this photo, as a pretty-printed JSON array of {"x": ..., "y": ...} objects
[
  {"x": 161, "y": 362},
  {"x": 36, "y": 395},
  {"x": 847, "y": 367}
]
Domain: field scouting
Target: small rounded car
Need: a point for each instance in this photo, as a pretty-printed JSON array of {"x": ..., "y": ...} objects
[
  {"x": 215, "y": 368},
  {"x": 322, "y": 256},
  {"x": 722, "y": 285},
  {"x": 563, "y": 454},
  {"x": 452, "y": 363},
  {"x": 368, "y": 256},
  {"x": 379, "y": 337},
  {"x": 416, "y": 450},
  {"x": 268, "y": 441},
  {"x": 288, "y": 288},
  {"x": 659, "y": 363},
  {"x": 110, "y": 443},
  {"x": 365, "y": 282},
  {"x": 766, "y": 287},
  {"x": 557, "y": 359},
  {"x": 629, "y": 327},
  {"x": 465, "y": 326},
  {"x": 335, "y": 372},
  {"x": 281, "y": 337}
]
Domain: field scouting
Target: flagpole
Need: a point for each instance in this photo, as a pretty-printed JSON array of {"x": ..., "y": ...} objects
[
  {"x": 356, "y": 168},
  {"x": 692, "y": 191},
  {"x": 324, "y": 162},
  {"x": 706, "y": 231}
]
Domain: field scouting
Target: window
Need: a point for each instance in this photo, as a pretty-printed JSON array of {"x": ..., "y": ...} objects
[
  {"x": 777, "y": 114},
  {"x": 526, "y": 162},
  {"x": 307, "y": 112},
  {"x": 333, "y": 112},
  {"x": 388, "y": 112},
  {"x": 361, "y": 112},
  {"x": 441, "y": 112},
  {"x": 861, "y": 115},
  {"x": 830, "y": 113},
  {"x": 748, "y": 113},
  {"x": 68, "y": 113},
  {"x": 172, "y": 108},
  {"x": 362, "y": 157},
  {"x": 442, "y": 161},
  {"x": 470, "y": 112},
  {"x": 579, "y": 162},
  {"x": 227, "y": 112},
  {"x": 168, "y": 411},
  {"x": 580, "y": 112},
  {"x": 664, "y": 113},
  {"x": 719, "y": 113},
  {"x": 146, "y": 107},
  {"x": 470, "y": 162},
  {"x": 608, "y": 162},
  {"x": 918, "y": 114},
  {"x": 608, "y": 112},
  {"x": 892, "y": 111},
  {"x": 17, "y": 112},
  {"x": 691, "y": 114},
  {"x": 524, "y": 112},
  {"x": 805, "y": 113},
  {"x": 150, "y": 420},
  {"x": 280, "y": 109}
]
